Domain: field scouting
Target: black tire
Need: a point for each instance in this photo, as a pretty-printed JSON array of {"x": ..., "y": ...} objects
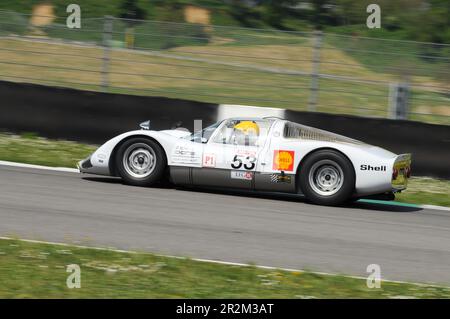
[
  {"x": 353, "y": 200},
  {"x": 327, "y": 178},
  {"x": 153, "y": 156}
]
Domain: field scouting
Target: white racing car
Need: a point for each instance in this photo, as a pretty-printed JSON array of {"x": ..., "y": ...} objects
[{"x": 260, "y": 154}]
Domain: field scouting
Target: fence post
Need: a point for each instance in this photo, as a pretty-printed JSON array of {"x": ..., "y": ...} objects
[
  {"x": 314, "y": 88},
  {"x": 398, "y": 101},
  {"x": 107, "y": 36}
]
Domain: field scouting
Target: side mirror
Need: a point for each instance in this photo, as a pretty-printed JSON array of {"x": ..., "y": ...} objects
[
  {"x": 145, "y": 125},
  {"x": 204, "y": 140}
]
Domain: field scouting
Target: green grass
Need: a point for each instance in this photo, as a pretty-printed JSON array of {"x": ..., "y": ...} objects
[
  {"x": 31, "y": 149},
  {"x": 396, "y": 58},
  {"x": 36, "y": 270},
  {"x": 425, "y": 190}
]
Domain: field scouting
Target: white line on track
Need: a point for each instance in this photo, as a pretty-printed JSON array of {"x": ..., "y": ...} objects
[
  {"x": 48, "y": 168},
  {"x": 435, "y": 207},
  {"x": 212, "y": 261},
  {"x": 74, "y": 170}
]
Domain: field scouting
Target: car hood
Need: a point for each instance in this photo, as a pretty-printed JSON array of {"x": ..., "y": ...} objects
[{"x": 177, "y": 133}]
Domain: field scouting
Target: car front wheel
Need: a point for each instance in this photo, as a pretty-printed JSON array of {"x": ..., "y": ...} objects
[
  {"x": 140, "y": 162},
  {"x": 327, "y": 178}
]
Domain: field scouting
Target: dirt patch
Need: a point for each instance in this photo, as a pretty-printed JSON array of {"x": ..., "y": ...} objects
[
  {"x": 42, "y": 15},
  {"x": 197, "y": 15},
  {"x": 443, "y": 110},
  {"x": 220, "y": 40},
  {"x": 201, "y": 16}
]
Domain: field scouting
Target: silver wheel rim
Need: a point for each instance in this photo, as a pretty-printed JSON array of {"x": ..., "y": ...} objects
[
  {"x": 139, "y": 160},
  {"x": 326, "y": 177}
]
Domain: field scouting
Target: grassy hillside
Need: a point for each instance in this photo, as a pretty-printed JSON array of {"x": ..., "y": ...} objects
[
  {"x": 226, "y": 70},
  {"x": 264, "y": 67}
]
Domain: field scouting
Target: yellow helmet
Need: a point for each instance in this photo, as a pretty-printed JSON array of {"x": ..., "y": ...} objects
[{"x": 247, "y": 127}]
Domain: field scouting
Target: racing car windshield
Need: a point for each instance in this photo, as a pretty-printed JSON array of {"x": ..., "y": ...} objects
[{"x": 203, "y": 135}]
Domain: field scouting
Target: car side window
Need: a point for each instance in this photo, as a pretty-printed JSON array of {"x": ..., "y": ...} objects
[{"x": 243, "y": 133}]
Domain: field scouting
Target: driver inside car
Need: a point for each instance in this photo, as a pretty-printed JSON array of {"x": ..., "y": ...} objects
[{"x": 245, "y": 133}]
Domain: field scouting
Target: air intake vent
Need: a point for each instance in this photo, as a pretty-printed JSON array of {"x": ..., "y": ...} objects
[{"x": 298, "y": 131}]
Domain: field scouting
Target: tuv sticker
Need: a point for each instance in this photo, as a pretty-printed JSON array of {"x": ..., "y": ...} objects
[
  {"x": 242, "y": 175},
  {"x": 283, "y": 160}
]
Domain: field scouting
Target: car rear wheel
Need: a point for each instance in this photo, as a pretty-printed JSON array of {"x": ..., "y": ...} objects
[
  {"x": 327, "y": 178},
  {"x": 140, "y": 162}
]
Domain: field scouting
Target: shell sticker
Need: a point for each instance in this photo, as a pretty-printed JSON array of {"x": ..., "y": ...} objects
[{"x": 283, "y": 160}]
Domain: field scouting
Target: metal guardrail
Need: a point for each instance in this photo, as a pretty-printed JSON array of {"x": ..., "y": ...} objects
[{"x": 301, "y": 70}]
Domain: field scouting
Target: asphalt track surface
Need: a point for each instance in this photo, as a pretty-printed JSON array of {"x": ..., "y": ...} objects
[{"x": 408, "y": 243}]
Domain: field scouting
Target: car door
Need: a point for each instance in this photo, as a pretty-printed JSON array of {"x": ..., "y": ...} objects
[
  {"x": 277, "y": 166},
  {"x": 187, "y": 154},
  {"x": 229, "y": 161}
]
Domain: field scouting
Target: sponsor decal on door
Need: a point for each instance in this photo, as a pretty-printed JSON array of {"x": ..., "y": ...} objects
[
  {"x": 242, "y": 175},
  {"x": 283, "y": 160},
  {"x": 279, "y": 178},
  {"x": 185, "y": 155}
]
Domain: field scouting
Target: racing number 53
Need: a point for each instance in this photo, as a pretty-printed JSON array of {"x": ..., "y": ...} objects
[{"x": 247, "y": 161}]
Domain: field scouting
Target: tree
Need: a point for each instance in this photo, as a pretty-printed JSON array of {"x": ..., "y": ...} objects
[
  {"x": 274, "y": 11},
  {"x": 434, "y": 23},
  {"x": 130, "y": 10}
]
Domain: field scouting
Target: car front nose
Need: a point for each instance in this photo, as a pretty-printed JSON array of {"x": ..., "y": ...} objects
[{"x": 84, "y": 165}]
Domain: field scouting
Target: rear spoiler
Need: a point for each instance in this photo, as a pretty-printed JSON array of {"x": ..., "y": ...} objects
[
  {"x": 403, "y": 160},
  {"x": 401, "y": 171}
]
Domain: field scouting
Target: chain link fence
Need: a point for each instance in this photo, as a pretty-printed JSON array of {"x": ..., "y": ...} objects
[{"x": 296, "y": 70}]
